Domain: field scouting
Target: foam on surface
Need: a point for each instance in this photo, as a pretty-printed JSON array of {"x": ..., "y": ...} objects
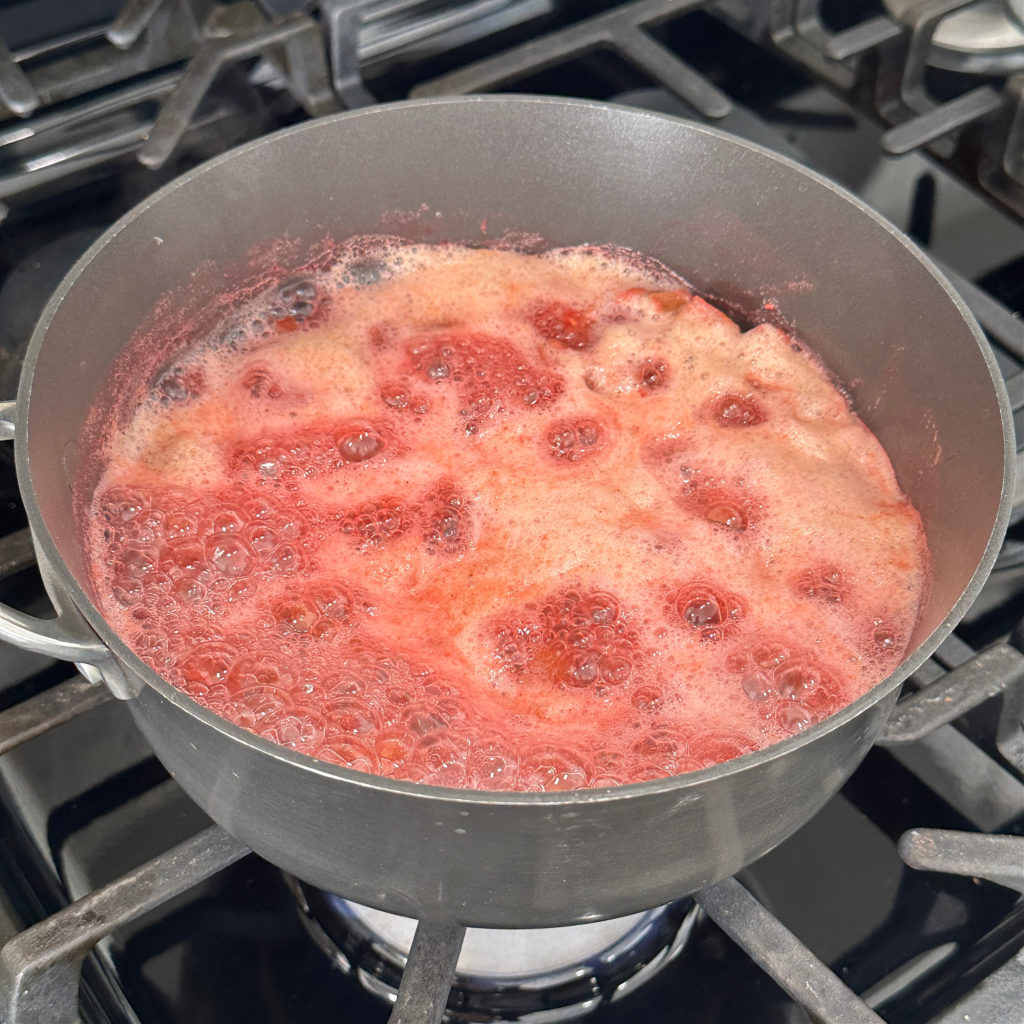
[{"x": 497, "y": 520}]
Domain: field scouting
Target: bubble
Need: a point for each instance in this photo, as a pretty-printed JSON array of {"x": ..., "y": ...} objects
[
  {"x": 398, "y": 695},
  {"x": 882, "y": 636},
  {"x": 661, "y": 749},
  {"x": 377, "y": 522},
  {"x": 562, "y": 439},
  {"x": 794, "y": 717},
  {"x": 352, "y": 753},
  {"x": 367, "y": 271},
  {"x": 334, "y": 601},
  {"x": 260, "y": 673},
  {"x": 230, "y": 555},
  {"x": 395, "y": 396},
  {"x": 241, "y": 590},
  {"x": 188, "y": 591},
  {"x": 260, "y": 383},
  {"x": 600, "y": 608},
  {"x": 553, "y": 768},
  {"x": 615, "y": 668},
  {"x": 652, "y": 374},
  {"x": 393, "y": 746},
  {"x": 227, "y": 521},
  {"x": 447, "y": 524},
  {"x": 708, "y": 610},
  {"x": 296, "y": 614},
  {"x": 295, "y": 298},
  {"x": 123, "y": 504},
  {"x": 732, "y": 410},
  {"x": 259, "y": 508},
  {"x": 127, "y": 590},
  {"x": 702, "y": 610},
  {"x": 714, "y": 748},
  {"x": 358, "y": 442},
  {"x": 298, "y": 727},
  {"x": 491, "y": 764},
  {"x": 267, "y": 458},
  {"x": 715, "y": 501},
  {"x": 179, "y": 525},
  {"x": 437, "y": 368},
  {"x": 286, "y": 560},
  {"x": 757, "y": 685},
  {"x": 607, "y": 763},
  {"x": 421, "y": 721},
  {"x": 444, "y": 758},
  {"x": 647, "y": 698},
  {"x": 353, "y": 717},
  {"x": 822, "y": 583},
  {"x": 157, "y": 581},
  {"x": 721, "y": 513},
  {"x": 236, "y": 710},
  {"x": 574, "y": 440},
  {"x": 798, "y": 680},
  {"x": 584, "y": 669},
  {"x": 262, "y": 539},
  {"x": 180, "y": 384},
  {"x": 568, "y": 326},
  {"x": 137, "y": 561},
  {"x": 209, "y": 663},
  {"x": 291, "y": 526},
  {"x": 151, "y": 645},
  {"x": 769, "y": 654}
]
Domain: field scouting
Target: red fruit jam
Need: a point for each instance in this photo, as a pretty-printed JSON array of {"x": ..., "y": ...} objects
[{"x": 502, "y": 521}]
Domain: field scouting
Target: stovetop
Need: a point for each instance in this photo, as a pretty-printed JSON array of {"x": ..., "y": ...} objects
[{"x": 206, "y": 932}]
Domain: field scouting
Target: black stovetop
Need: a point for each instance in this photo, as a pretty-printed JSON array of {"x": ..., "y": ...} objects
[{"x": 86, "y": 801}]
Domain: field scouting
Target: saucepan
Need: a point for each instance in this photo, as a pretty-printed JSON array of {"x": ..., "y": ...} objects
[{"x": 746, "y": 228}]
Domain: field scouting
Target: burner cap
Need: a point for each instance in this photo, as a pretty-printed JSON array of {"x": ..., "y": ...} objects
[
  {"x": 558, "y": 974},
  {"x": 985, "y": 38}
]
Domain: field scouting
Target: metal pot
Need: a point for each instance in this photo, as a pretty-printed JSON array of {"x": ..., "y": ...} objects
[{"x": 742, "y": 225}]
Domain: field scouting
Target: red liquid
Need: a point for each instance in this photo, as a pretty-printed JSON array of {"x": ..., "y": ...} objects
[{"x": 493, "y": 520}]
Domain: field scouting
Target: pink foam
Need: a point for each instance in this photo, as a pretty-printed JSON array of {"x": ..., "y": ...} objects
[{"x": 493, "y": 520}]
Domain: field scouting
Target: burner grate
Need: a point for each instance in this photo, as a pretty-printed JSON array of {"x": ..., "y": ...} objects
[
  {"x": 39, "y": 967},
  {"x": 156, "y": 64}
]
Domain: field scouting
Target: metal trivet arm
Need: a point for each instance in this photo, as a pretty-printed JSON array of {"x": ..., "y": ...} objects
[
  {"x": 429, "y": 973},
  {"x": 40, "y": 967},
  {"x": 622, "y": 30},
  {"x": 782, "y": 955},
  {"x": 997, "y": 671},
  {"x": 998, "y": 859}
]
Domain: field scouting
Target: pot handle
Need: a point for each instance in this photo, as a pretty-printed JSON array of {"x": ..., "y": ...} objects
[
  {"x": 68, "y": 637},
  {"x": 7, "y": 421}
]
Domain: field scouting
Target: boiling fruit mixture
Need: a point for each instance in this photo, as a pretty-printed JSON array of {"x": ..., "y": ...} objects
[{"x": 497, "y": 520}]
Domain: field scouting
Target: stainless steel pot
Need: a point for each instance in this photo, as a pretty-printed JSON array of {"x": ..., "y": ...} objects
[{"x": 741, "y": 224}]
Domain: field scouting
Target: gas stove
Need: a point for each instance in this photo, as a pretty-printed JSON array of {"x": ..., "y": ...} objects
[{"x": 900, "y": 901}]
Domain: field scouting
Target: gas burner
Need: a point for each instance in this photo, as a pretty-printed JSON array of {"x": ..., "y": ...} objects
[
  {"x": 985, "y": 38},
  {"x": 533, "y": 974}
]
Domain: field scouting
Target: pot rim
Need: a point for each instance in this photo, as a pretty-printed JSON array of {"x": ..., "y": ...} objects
[{"x": 497, "y": 798}]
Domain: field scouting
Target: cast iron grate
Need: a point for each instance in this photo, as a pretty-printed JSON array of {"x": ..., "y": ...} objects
[{"x": 318, "y": 52}]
